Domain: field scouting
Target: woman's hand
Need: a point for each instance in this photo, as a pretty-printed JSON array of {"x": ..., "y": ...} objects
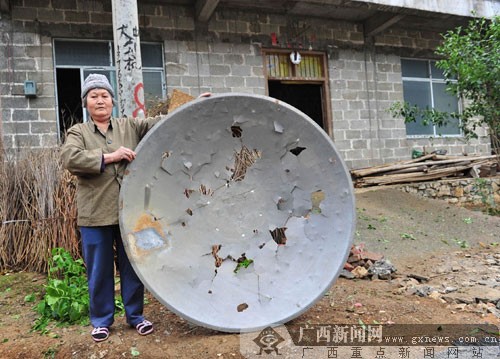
[{"x": 123, "y": 153}]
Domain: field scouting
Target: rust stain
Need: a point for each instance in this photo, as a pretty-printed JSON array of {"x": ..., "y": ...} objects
[{"x": 147, "y": 221}]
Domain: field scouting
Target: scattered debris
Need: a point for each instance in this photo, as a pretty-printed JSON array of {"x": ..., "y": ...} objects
[
  {"x": 418, "y": 277},
  {"x": 365, "y": 264},
  {"x": 382, "y": 269},
  {"x": 474, "y": 288}
]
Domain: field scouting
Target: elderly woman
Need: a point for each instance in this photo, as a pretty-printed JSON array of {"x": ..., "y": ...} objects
[{"x": 97, "y": 152}]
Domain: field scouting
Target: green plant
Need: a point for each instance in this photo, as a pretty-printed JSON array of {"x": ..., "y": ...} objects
[
  {"x": 487, "y": 198},
  {"x": 470, "y": 61},
  {"x": 66, "y": 298},
  {"x": 407, "y": 236},
  {"x": 461, "y": 243}
]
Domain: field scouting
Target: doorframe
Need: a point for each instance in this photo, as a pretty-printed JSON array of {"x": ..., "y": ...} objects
[{"x": 321, "y": 80}]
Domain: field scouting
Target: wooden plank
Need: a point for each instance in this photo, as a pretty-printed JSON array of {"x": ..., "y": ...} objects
[{"x": 408, "y": 164}]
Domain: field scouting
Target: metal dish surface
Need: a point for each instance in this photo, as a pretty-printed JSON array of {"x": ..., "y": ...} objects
[{"x": 238, "y": 212}]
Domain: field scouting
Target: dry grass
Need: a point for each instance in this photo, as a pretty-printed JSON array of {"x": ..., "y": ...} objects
[
  {"x": 244, "y": 159},
  {"x": 37, "y": 210}
]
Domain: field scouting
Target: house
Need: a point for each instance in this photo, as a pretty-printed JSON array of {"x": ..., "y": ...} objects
[{"x": 342, "y": 62}]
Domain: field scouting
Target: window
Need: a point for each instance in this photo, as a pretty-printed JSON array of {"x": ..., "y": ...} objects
[
  {"x": 75, "y": 59},
  {"x": 424, "y": 85}
]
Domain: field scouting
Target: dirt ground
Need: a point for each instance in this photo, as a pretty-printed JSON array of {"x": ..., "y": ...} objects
[{"x": 428, "y": 238}]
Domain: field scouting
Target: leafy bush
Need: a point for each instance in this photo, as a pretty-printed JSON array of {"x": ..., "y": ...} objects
[
  {"x": 66, "y": 298},
  {"x": 470, "y": 60}
]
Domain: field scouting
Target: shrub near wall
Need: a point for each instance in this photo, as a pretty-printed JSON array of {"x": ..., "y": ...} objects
[{"x": 37, "y": 210}]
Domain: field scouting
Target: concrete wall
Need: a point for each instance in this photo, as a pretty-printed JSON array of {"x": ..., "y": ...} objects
[{"x": 221, "y": 56}]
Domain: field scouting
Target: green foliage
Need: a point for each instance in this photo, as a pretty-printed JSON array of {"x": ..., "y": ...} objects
[
  {"x": 471, "y": 66},
  {"x": 461, "y": 243},
  {"x": 408, "y": 236},
  {"x": 66, "y": 297},
  {"x": 472, "y": 56},
  {"x": 428, "y": 116},
  {"x": 487, "y": 198}
]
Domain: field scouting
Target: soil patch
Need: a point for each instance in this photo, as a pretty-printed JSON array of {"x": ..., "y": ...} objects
[{"x": 451, "y": 247}]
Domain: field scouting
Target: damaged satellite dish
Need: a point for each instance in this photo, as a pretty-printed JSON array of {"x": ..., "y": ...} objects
[{"x": 238, "y": 212}]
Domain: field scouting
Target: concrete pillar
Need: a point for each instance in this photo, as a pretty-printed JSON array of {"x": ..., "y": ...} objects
[{"x": 130, "y": 86}]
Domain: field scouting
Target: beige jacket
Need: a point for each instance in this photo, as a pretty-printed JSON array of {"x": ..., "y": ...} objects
[{"x": 99, "y": 184}]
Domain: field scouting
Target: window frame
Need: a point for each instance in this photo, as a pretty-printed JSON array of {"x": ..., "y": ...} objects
[
  {"x": 430, "y": 80},
  {"x": 109, "y": 69}
]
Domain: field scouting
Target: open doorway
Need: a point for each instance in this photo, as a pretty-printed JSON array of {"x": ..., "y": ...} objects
[
  {"x": 68, "y": 99},
  {"x": 300, "y": 80},
  {"x": 305, "y": 97}
]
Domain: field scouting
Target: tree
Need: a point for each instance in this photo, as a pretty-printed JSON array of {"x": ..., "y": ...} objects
[{"x": 471, "y": 66}]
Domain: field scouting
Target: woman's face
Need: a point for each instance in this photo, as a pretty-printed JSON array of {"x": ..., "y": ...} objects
[{"x": 99, "y": 104}]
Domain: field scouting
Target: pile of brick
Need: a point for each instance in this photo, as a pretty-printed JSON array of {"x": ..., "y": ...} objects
[{"x": 365, "y": 264}]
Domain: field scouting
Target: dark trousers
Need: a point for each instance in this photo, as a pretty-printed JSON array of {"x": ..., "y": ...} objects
[{"x": 98, "y": 254}]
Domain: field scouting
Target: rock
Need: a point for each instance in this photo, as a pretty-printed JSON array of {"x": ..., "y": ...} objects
[
  {"x": 424, "y": 290},
  {"x": 488, "y": 295},
  {"x": 456, "y": 297},
  {"x": 346, "y": 274},
  {"x": 447, "y": 290},
  {"x": 435, "y": 295},
  {"x": 382, "y": 269},
  {"x": 419, "y": 277},
  {"x": 494, "y": 311},
  {"x": 460, "y": 306},
  {"x": 359, "y": 272}
]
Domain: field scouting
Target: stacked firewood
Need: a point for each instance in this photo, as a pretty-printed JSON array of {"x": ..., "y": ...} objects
[{"x": 426, "y": 168}]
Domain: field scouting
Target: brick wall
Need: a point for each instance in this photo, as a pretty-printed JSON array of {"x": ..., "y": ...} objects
[{"x": 221, "y": 56}]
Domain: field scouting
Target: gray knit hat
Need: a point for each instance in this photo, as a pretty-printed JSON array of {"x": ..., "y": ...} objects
[{"x": 96, "y": 81}]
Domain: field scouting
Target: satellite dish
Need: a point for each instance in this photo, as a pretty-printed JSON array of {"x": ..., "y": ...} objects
[{"x": 238, "y": 212}]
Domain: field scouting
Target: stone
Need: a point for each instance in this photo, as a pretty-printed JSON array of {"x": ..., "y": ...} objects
[
  {"x": 359, "y": 272},
  {"x": 424, "y": 290},
  {"x": 456, "y": 297},
  {"x": 346, "y": 274},
  {"x": 435, "y": 295},
  {"x": 489, "y": 295},
  {"x": 459, "y": 192},
  {"x": 418, "y": 277},
  {"x": 382, "y": 269}
]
